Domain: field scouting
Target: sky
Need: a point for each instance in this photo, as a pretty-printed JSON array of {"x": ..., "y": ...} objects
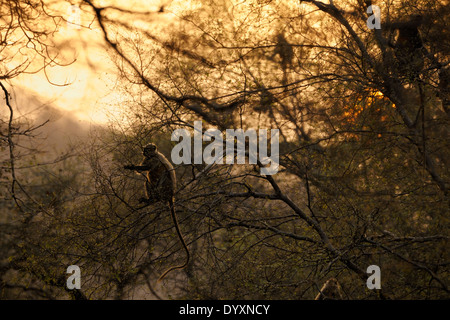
[
  {"x": 81, "y": 88},
  {"x": 85, "y": 88}
]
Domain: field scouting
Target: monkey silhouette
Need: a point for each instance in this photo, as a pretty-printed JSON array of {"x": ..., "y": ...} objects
[
  {"x": 408, "y": 47},
  {"x": 160, "y": 186}
]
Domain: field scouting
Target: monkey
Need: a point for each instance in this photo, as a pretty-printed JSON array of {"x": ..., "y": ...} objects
[
  {"x": 284, "y": 49},
  {"x": 408, "y": 47},
  {"x": 331, "y": 290},
  {"x": 160, "y": 186},
  {"x": 161, "y": 178}
]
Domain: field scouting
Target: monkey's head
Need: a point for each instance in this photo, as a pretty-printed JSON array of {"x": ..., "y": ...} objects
[{"x": 149, "y": 150}]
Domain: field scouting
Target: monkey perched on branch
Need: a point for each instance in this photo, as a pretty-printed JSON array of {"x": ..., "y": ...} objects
[
  {"x": 161, "y": 178},
  {"x": 408, "y": 47},
  {"x": 284, "y": 49},
  {"x": 160, "y": 185}
]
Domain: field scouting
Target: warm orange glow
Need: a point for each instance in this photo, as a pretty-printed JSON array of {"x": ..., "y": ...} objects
[
  {"x": 84, "y": 89},
  {"x": 369, "y": 100}
]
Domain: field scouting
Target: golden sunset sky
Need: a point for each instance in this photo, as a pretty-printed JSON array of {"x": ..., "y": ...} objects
[{"x": 85, "y": 88}]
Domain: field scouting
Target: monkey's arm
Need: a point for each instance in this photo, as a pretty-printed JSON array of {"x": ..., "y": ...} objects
[{"x": 147, "y": 164}]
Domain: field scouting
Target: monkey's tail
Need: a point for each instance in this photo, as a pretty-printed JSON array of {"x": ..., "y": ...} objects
[{"x": 180, "y": 236}]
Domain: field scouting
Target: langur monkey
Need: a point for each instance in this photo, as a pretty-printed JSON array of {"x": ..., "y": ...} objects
[
  {"x": 160, "y": 185},
  {"x": 284, "y": 49},
  {"x": 408, "y": 47},
  {"x": 331, "y": 290}
]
